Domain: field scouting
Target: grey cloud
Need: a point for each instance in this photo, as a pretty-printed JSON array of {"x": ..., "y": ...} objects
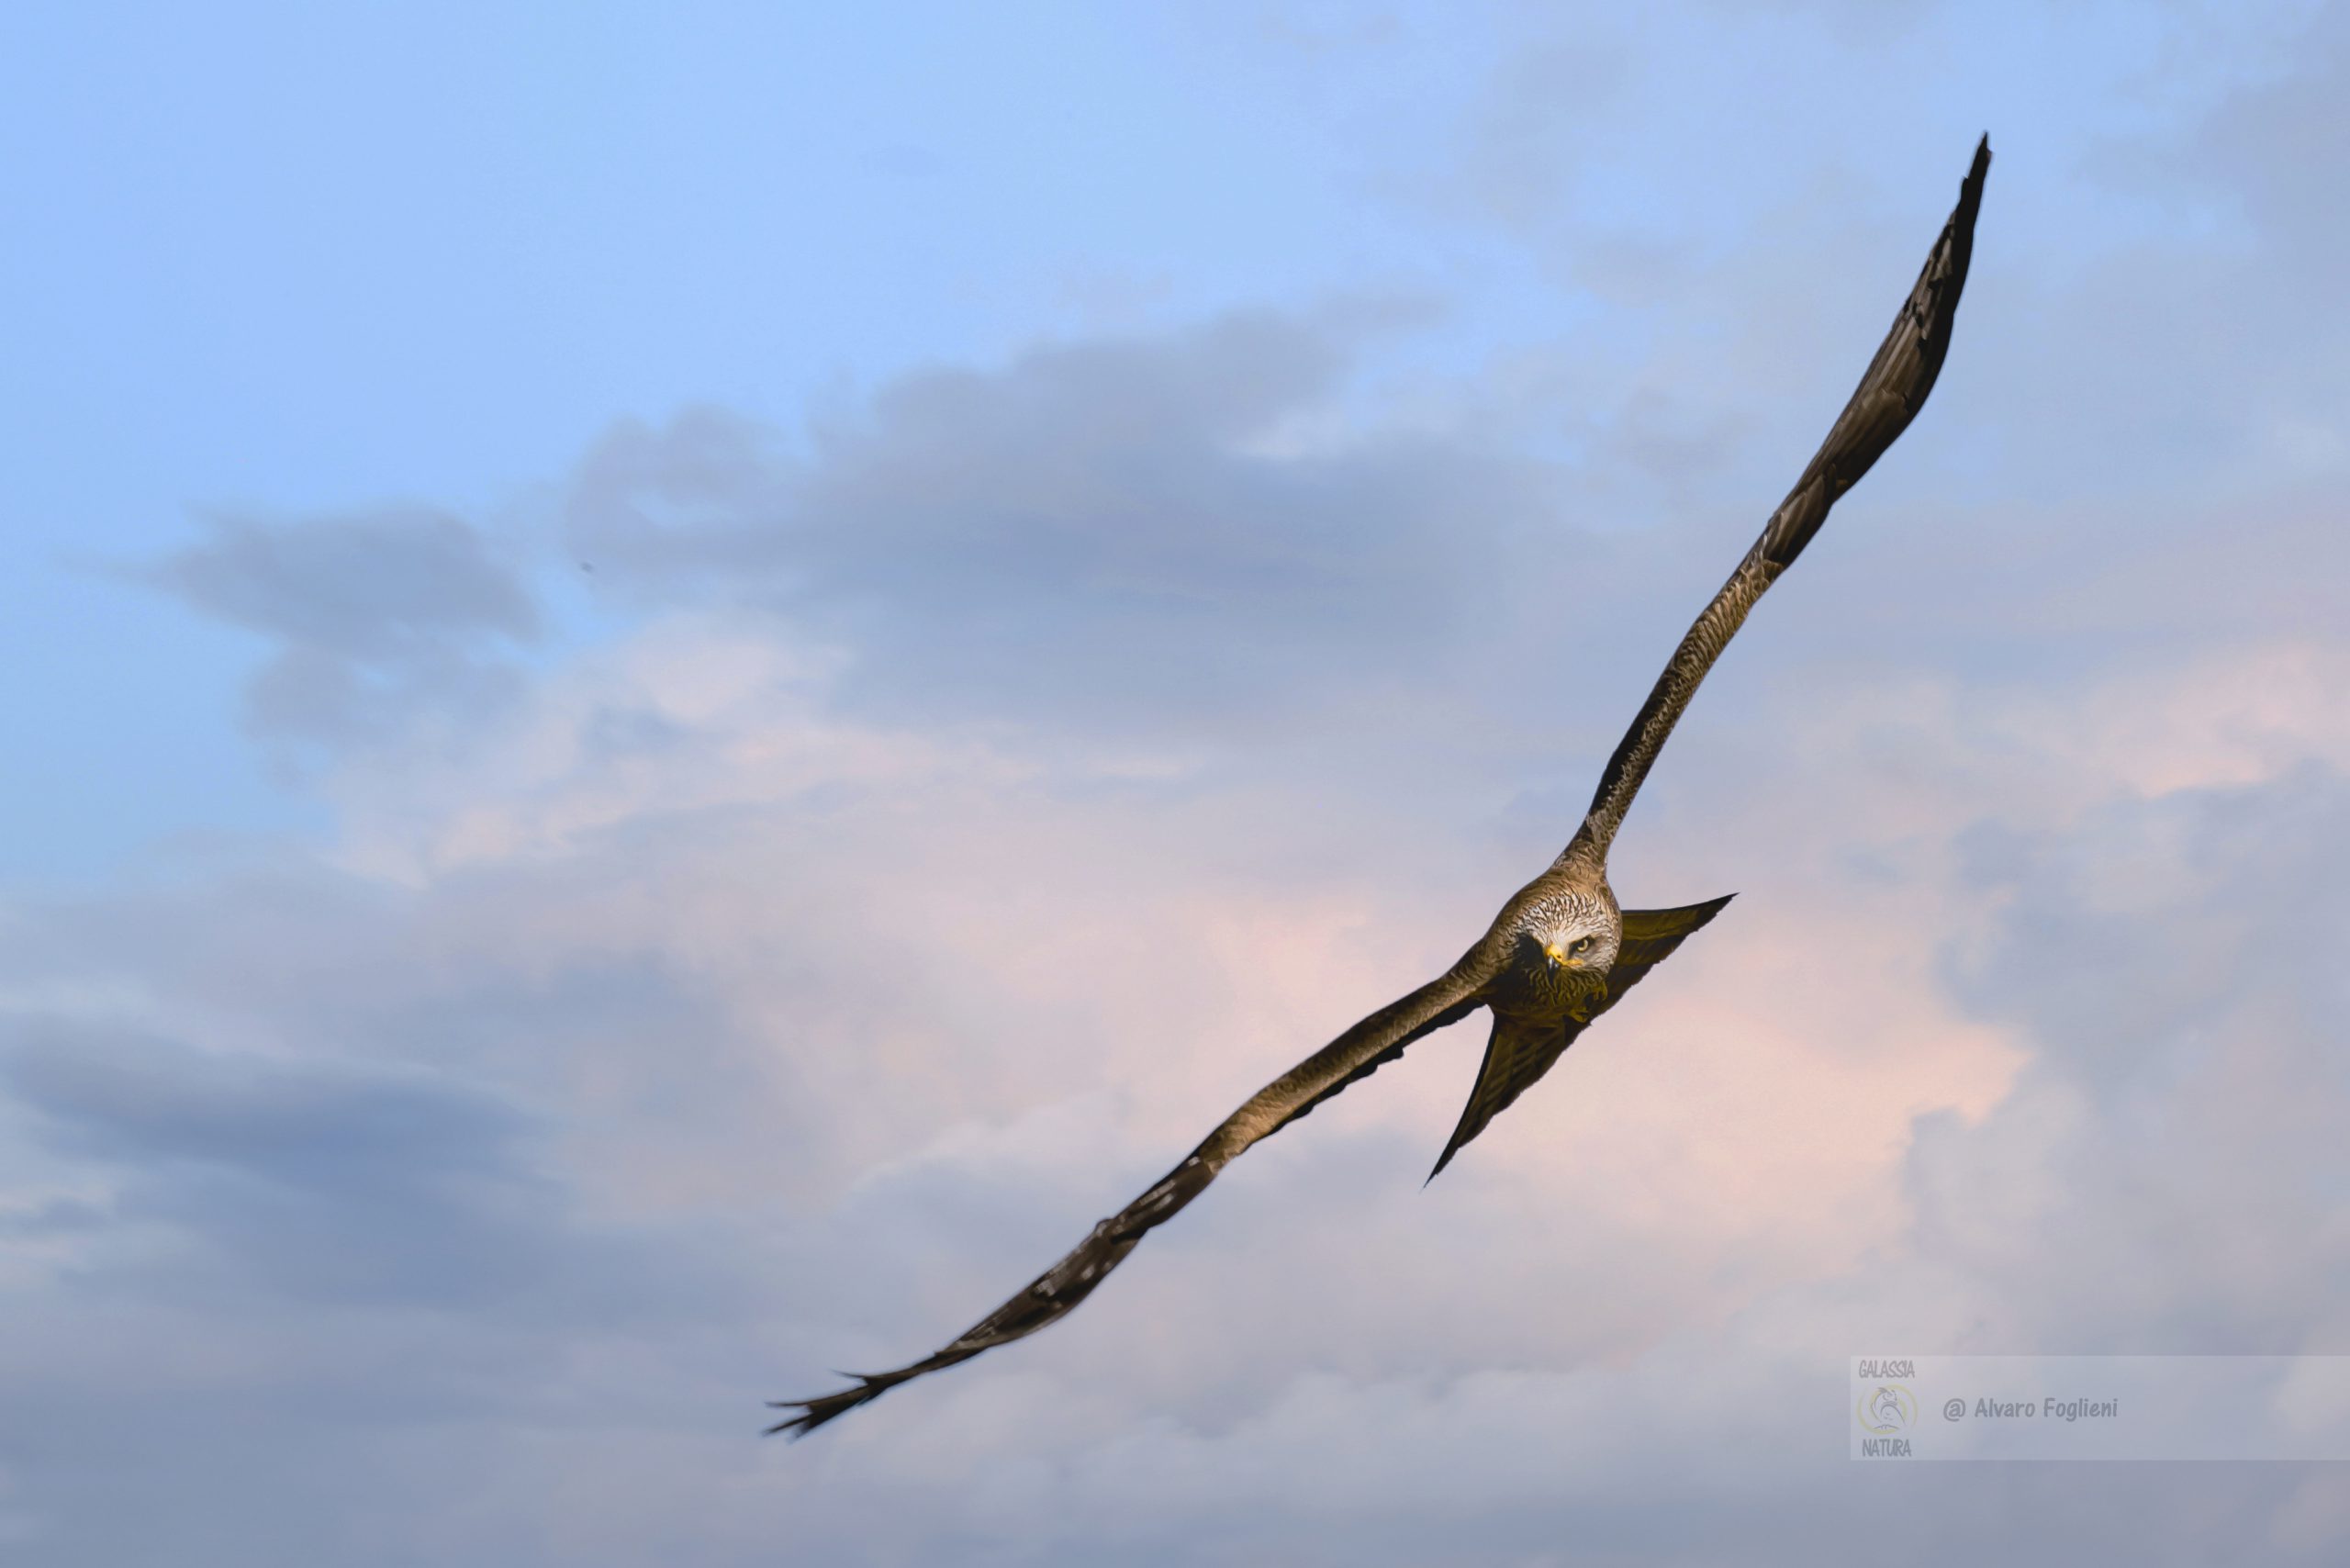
[
  {"x": 369, "y": 585},
  {"x": 1111, "y": 533},
  {"x": 309, "y": 1180},
  {"x": 296, "y": 1123},
  {"x": 379, "y": 998},
  {"x": 308, "y": 1268},
  {"x": 2173, "y": 964},
  {"x": 2234, "y": 895},
  {"x": 57, "y": 1217},
  {"x": 372, "y": 616}
]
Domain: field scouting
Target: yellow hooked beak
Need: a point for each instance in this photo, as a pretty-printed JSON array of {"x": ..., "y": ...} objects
[{"x": 1558, "y": 955}]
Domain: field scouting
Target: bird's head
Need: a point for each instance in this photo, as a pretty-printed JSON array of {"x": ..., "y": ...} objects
[
  {"x": 1577, "y": 950},
  {"x": 1574, "y": 931}
]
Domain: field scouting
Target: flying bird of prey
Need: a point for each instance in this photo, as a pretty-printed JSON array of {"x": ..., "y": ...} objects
[{"x": 1562, "y": 951}]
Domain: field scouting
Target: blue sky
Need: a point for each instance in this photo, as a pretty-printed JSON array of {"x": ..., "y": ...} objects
[
  {"x": 689, "y": 679},
  {"x": 294, "y": 260}
]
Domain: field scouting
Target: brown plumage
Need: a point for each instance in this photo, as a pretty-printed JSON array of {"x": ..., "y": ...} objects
[{"x": 1560, "y": 952}]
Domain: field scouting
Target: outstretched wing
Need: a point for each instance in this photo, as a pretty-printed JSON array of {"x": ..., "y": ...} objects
[
  {"x": 1519, "y": 1052},
  {"x": 1359, "y": 1051},
  {"x": 1887, "y": 398}
]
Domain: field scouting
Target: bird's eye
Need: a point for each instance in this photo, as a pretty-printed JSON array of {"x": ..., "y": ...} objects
[{"x": 1584, "y": 944}]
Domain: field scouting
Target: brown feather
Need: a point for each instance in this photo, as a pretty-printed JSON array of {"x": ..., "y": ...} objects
[
  {"x": 1891, "y": 392},
  {"x": 1520, "y": 1051},
  {"x": 1048, "y": 1297}
]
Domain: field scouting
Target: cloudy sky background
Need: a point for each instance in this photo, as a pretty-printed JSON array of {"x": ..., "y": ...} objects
[{"x": 687, "y": 681}]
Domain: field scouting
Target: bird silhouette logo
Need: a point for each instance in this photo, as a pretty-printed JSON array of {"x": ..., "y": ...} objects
[{"x": 1890, "y": 1409}]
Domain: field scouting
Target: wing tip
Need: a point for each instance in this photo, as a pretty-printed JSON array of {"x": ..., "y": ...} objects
[
  {"x": 1978, "y": 169},
  {"x": 824, "y": 1408}
]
